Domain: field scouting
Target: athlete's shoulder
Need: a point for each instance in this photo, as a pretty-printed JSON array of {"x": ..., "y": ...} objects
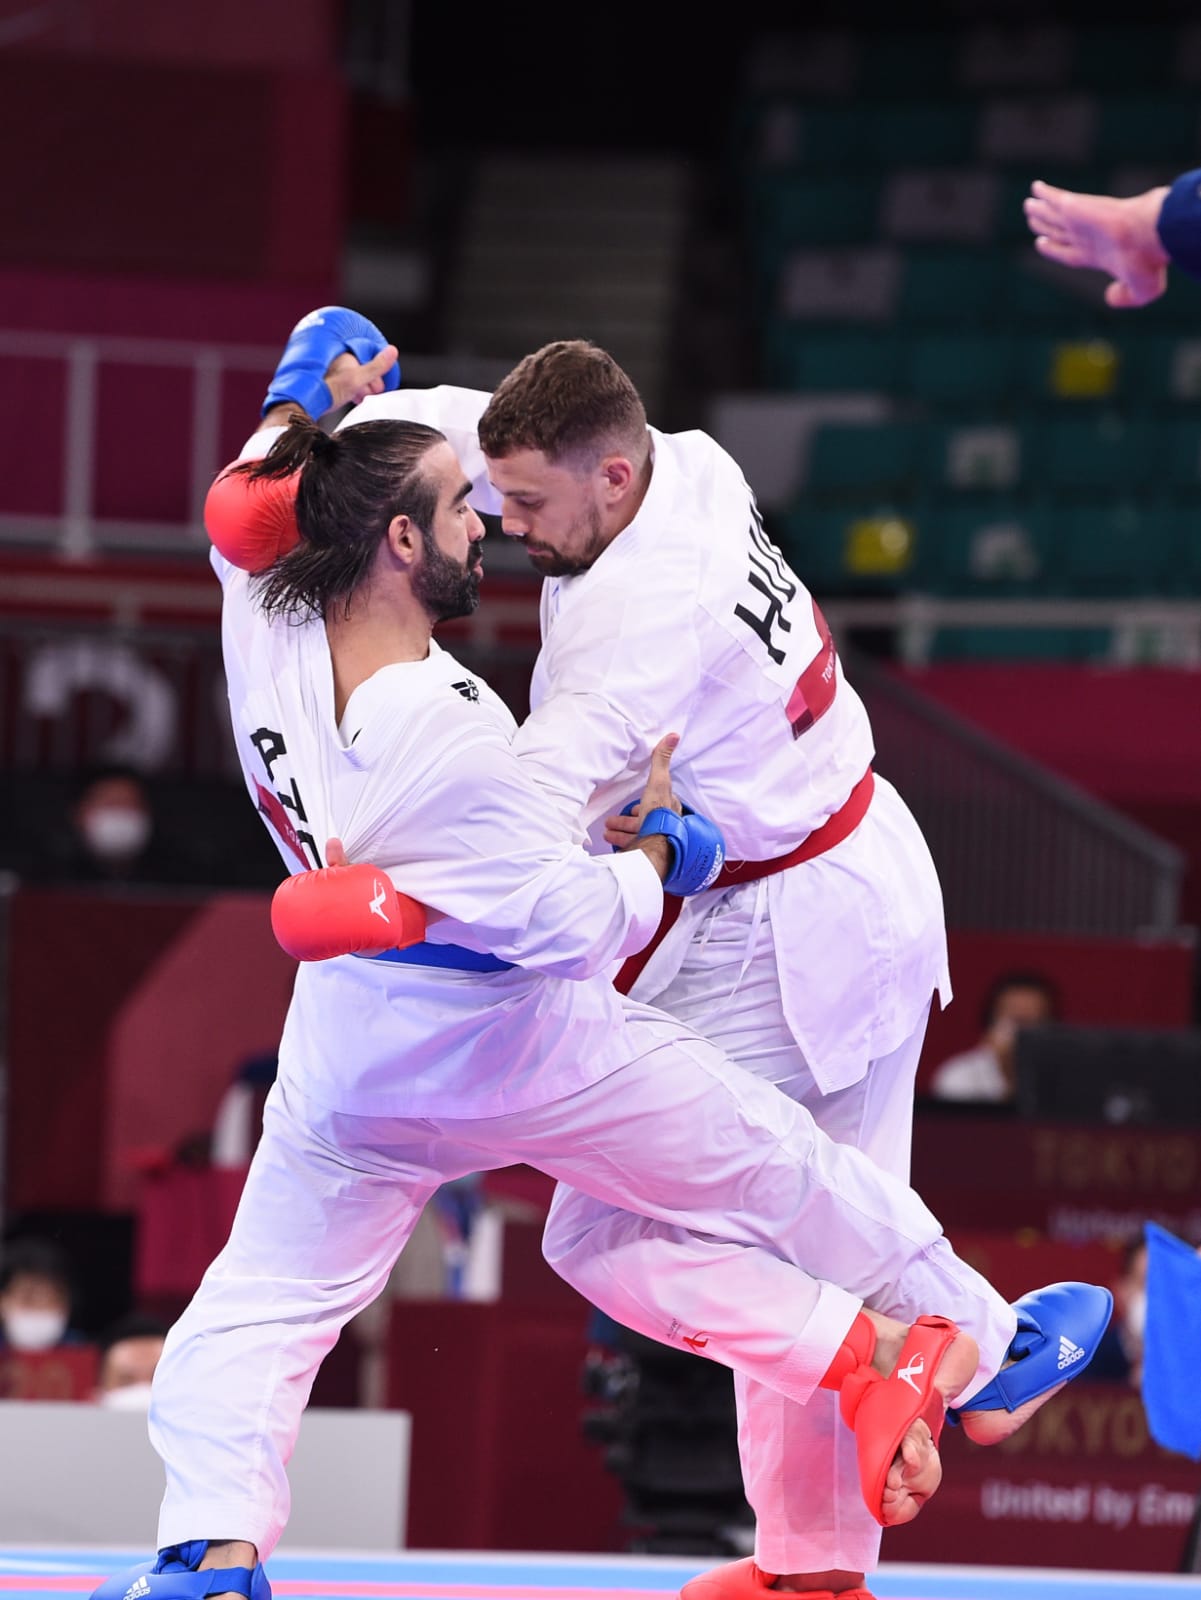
[
  {"x": 443, "y": 407},
  {"x": 695, "y": 451},
  {"x": 428, "y": 705}
]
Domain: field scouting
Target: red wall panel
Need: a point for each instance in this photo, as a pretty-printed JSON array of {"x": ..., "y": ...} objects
[
  {"x": 171, "y": 169},
  {"x": 32, "y": 411},
  {"x": 1130, "y": 735},
  {"x": 127, "y": 1017},
  {"x": 499, "y": 1459}
]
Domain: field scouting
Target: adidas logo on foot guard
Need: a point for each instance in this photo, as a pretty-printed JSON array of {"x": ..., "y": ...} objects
[
  {"x": 1069, "y": 1354},
  {"x": 137, "y": 1590}
]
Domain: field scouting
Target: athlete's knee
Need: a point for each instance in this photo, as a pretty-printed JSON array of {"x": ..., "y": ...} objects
[{"x": 569, "y": 1223}]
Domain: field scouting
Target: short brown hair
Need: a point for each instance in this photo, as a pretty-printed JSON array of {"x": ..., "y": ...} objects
[{"x": 568, "y": 399}]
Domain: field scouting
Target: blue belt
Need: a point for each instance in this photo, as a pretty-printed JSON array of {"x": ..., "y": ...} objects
[{"x": 444, "y": 955}]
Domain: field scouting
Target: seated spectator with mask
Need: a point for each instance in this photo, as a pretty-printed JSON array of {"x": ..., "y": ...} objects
[
  {"x": 35, "y": 1297},
  {"x": 129, "y": 1352},
  {"x": 988, "y": 1071},
  {"x": 113, "y": 837}
]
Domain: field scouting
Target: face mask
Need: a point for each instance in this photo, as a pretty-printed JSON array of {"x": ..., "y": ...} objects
[
  {"x": 114, "y": 831},
  {"x": 129, "y": 1397},
  {"x": 1136, "y": 1313},
  {"x": 34, "y": 1330}
]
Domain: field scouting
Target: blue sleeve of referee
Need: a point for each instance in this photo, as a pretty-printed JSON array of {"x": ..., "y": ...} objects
[{"x": 1180, "y": 222}]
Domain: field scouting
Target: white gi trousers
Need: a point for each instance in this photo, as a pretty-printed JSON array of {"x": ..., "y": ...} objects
[
  {"x": 762, "y": 1212},
  {"x": 798, "y": 1461}
]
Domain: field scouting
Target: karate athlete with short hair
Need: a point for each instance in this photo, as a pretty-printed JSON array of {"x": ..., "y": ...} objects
[
  {"x": 813, "y": 959},
  {"x": 498, "y": 1038}
]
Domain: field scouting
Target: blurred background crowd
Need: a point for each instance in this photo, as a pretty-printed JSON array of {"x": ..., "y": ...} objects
[{"x": 801, "y": 229}]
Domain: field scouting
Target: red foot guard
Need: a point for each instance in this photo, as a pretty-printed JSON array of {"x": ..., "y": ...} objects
[
  {"x": 743, "y": 1580},
  {"x": 897, "y": 1420}
]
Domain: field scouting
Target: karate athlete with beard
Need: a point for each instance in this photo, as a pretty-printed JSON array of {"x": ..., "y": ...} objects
[
  {"x": 498, "y": 1038},
  {"x": 813, "y": 959}
]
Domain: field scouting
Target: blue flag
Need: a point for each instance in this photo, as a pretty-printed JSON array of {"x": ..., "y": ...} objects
[{"x": 1173, "y": 1337}]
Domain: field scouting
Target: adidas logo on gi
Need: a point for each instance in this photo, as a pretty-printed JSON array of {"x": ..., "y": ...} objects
[
  {"x": 137, "y": 1590},
  {"x": 468, "y": 689},
  {"x": 1069, "y": 1354}
]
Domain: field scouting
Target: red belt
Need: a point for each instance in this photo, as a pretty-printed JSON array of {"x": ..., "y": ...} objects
[{"x": 832, "y": 831}]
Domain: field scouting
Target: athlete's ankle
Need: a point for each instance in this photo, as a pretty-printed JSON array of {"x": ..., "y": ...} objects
[
  {"x": 890, "y": 1341},
  {"x": 228, "y": 1553}
]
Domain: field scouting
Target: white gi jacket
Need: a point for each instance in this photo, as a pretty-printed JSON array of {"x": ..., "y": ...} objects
[{"x": 691, "y": 621}]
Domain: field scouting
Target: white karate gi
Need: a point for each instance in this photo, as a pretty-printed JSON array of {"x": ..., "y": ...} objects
[
  {"x": 394, "y": 1078},
  {"x": 818, "y": 978}
]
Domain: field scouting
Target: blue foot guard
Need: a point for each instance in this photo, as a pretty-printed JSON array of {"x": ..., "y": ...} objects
[
  {"x": 172, "y": 1575},
  {"x": 1059, "y": 1329}
]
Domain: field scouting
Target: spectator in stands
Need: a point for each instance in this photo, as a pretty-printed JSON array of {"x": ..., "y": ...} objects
[
  {"x": 35, "y": 1296},
  {"x": 129, "y": 1353},
  {"x": 112, "y": 836},
  {"x": 1119, "y": 1356},
  {"x": 987, "y": 1072}
]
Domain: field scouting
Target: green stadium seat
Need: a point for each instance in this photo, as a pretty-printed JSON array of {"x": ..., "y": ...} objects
[
  {"x": 1180, "y": 455},
  {"x": 1035, "y": 294},
  {"x": 1152, "y": 127},
  {"x": 1168, "y": 369},
  {"x": 832, "y": 136},
  {"x": 911, "y": 62},
  {"x": 972, "y": 458},
  {"x": 829, "y": 359},
  {"x": 813, "y": 542},
  {"x": 932, "y": 135},
  {"x": 960, "y": 369},
  {"x": 1116, "y": 548},
  {"x": 1115, "y": 57},
  {"x": 949, "y": 286},
  {"x": 1077, "y": 455},
  {"x": 1185, "y": 575},
  {"x": 1178, "y": 310},
  {"x": 860, "y": 462},
  {"x": 994, "y": 545},
  {"x": 791, "y": 207}
]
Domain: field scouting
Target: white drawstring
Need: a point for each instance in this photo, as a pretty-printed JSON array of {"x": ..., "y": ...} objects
[{"x": 757, "y": 916}]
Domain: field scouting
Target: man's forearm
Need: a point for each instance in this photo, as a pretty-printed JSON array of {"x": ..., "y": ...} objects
[{"x": 281, "y": 415}]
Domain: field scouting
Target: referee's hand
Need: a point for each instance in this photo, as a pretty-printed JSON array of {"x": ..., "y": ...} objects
[{"x": 1120, "y": 237}]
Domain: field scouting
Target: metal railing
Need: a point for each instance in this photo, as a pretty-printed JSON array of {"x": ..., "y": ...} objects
[
  {"x": 74, "y": 529},
  {"x": 1017, "y": 848},
  {"x": 1141, "y": 631}
]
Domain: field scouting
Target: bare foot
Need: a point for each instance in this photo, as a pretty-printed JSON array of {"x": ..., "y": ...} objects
[
  {"x": 916, "y": 1470},
  {"x": 915, "y": 1474},
  {"x": 990, "y": 1427}
]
